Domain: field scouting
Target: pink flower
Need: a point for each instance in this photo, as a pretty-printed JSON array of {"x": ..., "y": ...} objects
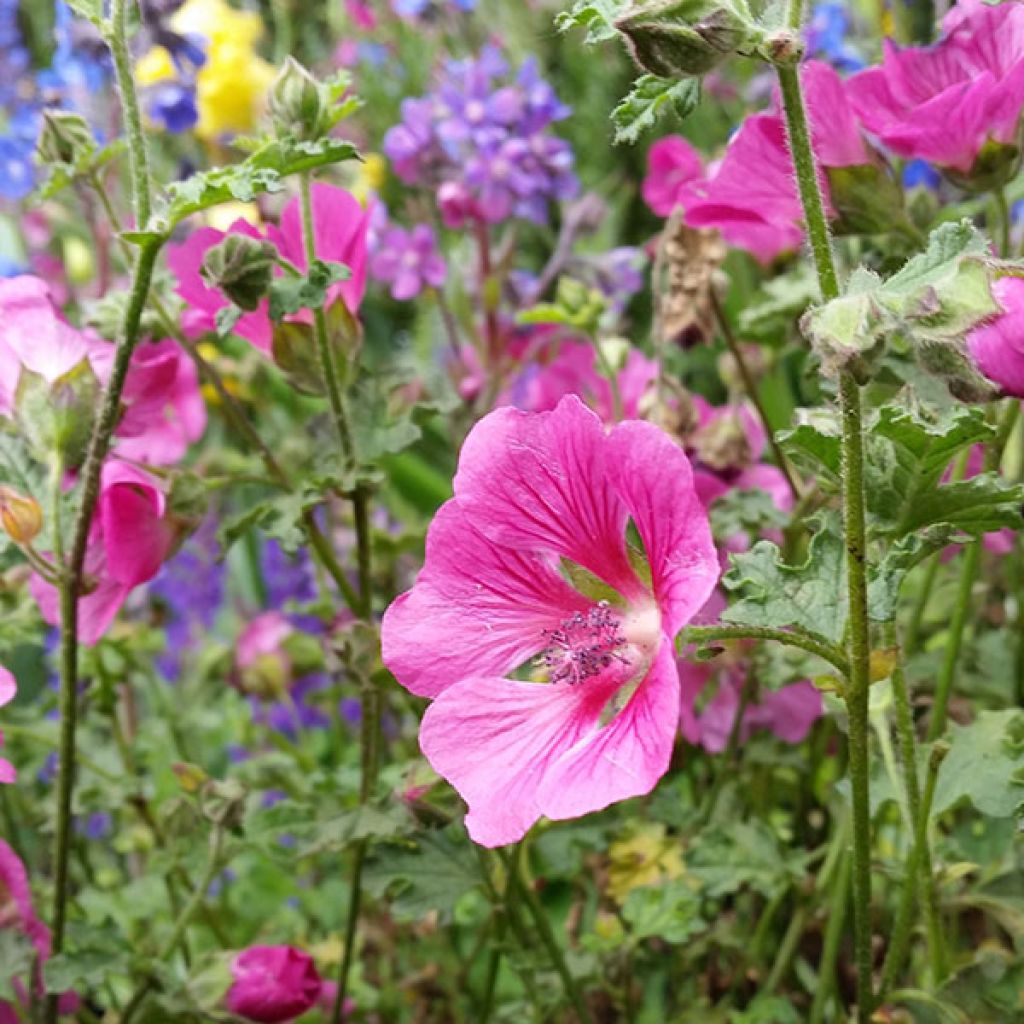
[
  {"x": 997, "y": 347},
  {"x": 8, "y": 689},
  {"x": 273, "y": 984},
  {"x": 788, "y": 712},
  {"x": 18, "y": 914},
  {"x": 131, "y": 537},
  {"x": 407, "y": 260},
  {"x": 34, "y": 336},
  {"x": 944, "y": 102},
  {"x": 164, "y": 408},
  {"x": 536, "y": 493},
  {"x": 340, "y": 225},
  {"x": 751, "y": 195},
  {"x": 673, "y": 165}
]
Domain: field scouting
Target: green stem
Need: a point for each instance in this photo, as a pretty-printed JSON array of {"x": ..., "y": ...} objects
[
  {"x": 750, "y": 386},
  {"x": 547, "y": 936},
  {"x": 913, "y": 635},
  {"x": 904, "y": 726},
  {"x": 1005, "y": 221},
  {"x": 833, "y": 935},
  {"x": 854, "y": 527},
  {"x": 118, "y": 42},
  {"x": 709, "y": 634},
  {"x": 787, "y": 950}
]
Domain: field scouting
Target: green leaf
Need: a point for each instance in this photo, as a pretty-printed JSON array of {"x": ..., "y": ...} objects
[
  {"x": 741, "y": 854},
  {"x": 748, "y": 512},
  {"x": 770, "y": 313},
  {"x": 91, "y": 10},
  {"x": 17, "y": 955},
  {"x": 669, "y": 911},
  {"x": 58, "y": 415},
  {"x": 648, "y": 99},
  {"x": 947, "y": 244},
  {"x": 765, "y": 591},
  {"x": 576, "y": 305},
  {"x": 766, "y": 1010},
  {"x": 816, "y": 443},
  {"x": 868, "y": 200},
  {"x": 430, "y": 874},
  {"x": 985, "y": 765},
  {"x": 289, "y": 294},
  {"x": 597, "y": 17}
]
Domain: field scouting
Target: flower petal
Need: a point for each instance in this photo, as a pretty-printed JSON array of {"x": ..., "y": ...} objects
[
  {"x": 476, "y": 608},
  {"x": 655, "y": 482}
]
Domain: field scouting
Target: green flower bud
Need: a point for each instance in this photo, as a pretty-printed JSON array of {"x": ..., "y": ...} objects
[
  {"x": 295, "y": 102},
  {"x": 20, "y": 516},
  {"x": 64, "y": 138},
  {"x": 242, "y": 268},
  {"x": 670, "y": 38}
]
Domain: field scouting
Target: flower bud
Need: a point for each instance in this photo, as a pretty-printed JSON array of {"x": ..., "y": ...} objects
[
  {"x": 295, "y": 102},
  {"x": 670, "y": 38},
  {"x": 242, "y": 268},
  {"x": 20, "y": 516},
  {"x": 64, "y": 138},
  {"x": 273, "y": 984}
]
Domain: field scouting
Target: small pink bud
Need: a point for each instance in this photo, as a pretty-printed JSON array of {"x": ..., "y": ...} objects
[{"x": 273, "y": 984}]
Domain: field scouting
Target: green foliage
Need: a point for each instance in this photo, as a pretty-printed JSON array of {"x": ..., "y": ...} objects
[
  {"x": 289, "y": 294},
  {"x": 649, "y": 98},
  {"x": 57, "y": 417},
  {"x": 596, "y": 17},
  {"x": 741, "y": 854},
  {"x": 669, "y": 911},
  {"x": 17, "y": 958},
  {"x": 576, "y": 305}
]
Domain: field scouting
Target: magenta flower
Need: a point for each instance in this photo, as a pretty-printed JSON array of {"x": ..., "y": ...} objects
[
  {"x": 997, "y": 347},
  {"x": 8, "y": 690},
  {"x": 340, "y": 225},
  {"x": 35, "y": 336},
  {"x": 536, "y": 495},
  {"x": 18, "y": 914},
  {"x": 943, "y": 103},
  {"x": 409, "y": 261},
  {"x": 788, "y": 712},
  {"x": 131, "y": 537},
  {"x": 273, "y": 984},
  {"x": 751, "y": 195},
  {"x": 164, "y": 408},
  {"x": 673, "y": 165}
]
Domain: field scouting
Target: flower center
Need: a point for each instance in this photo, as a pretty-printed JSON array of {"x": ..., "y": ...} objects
[{"x": 584, "y": 645}]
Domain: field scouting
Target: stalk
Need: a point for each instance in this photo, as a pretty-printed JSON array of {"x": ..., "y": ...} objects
[
  {"x": 854, "y": 527},
  {"x": 99, "y": 444},
  {"x": 708, "y": 634}
]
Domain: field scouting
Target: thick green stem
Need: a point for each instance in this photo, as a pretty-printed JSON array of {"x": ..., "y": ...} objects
[
  {"x": 833, "y": 935},
  {"x": 854, "y": 530},
  {"x": 709, "y": 634},
  {"x": 118, "y": 41}
]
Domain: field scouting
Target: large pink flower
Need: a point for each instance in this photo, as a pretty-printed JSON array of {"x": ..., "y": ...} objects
[
  {"x": 18, "y": 914},
  {"x": 8, "y": 690},
  {"x": 34, "y": 336},
  {"x": 339, "y": 224},
  {"x": 673, "y": 166},
  {"x": 273, "y": 984},
  {"x": 130, "y": 539},
  {"x": 944, "y": 102},
  {"x": 164, "y": 408},
  {"x": 542, "y": 499},
  {"x": 751, "y": 195},
  {"x": 997, "y": 347}
]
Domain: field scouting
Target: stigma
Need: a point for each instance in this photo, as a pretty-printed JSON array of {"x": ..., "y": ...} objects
[{"x": 584, "y": 645}]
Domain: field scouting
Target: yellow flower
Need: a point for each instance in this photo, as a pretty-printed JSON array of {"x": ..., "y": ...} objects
[
  {"x": 645, "y": 856},
  {"x": 223, "y": 216},
  {"x": 155, "y": 66},
  {"x": 369, "y": 177}
]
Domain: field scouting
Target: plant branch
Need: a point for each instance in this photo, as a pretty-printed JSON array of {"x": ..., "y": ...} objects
[{"x": 709, "y": 634}]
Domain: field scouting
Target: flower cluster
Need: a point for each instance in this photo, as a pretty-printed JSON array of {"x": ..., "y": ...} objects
[{"x": 482, "y": 142}]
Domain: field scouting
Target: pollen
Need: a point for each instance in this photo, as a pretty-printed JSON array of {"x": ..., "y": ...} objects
[{"x": 584, "y": 645}]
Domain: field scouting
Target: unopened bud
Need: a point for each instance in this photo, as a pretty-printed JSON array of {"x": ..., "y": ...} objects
[
  {"x": 670, "y": 38},
  {"x": 64, "y": 138},
  {"x": 295, "y": 102},
  {"x": 242, "y": 268},
  {"x": 20, "y": 516}
]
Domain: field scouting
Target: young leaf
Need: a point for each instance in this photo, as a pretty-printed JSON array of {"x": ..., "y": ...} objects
[
  {"x": 650, "y": 97},
  {"x": 596, "y": 16}
]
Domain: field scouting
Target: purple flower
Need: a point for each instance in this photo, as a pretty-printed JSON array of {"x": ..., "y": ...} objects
[
  {"x": 409, "y": 261},
  {"x": 481, "y": 141}
]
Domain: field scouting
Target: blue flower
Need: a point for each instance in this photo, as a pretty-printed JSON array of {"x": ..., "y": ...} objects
[
  {"x": 920, "y": 174},
  {"x": 826, "y": 36}
]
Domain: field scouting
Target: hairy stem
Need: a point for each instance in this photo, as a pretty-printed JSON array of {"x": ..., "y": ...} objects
[
  {"x": 709, "y": 634},
  {"x": 854, "y": 529}
]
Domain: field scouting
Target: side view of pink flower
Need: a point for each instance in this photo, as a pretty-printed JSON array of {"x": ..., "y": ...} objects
[
  {"x": 673, "y": 165},
  {"x": 131, "y": 537},
  {"x": 17, "y": 913},
  {"x": 8, "y": 690},
  {"x": 35, "y": 337},
  {"x": 528, "y": 570},
  {"x": 164, "y": 408},
  {"x": 340, "y": 224},
  {"x": 944, "y": 102},
  {"x": 273, "y": 984},
  {"x": 997, "y": 347}
]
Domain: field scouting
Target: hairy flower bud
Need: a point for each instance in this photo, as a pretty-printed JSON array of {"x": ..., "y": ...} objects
[
  {"x": 64, "y": 138},
  {"x": 20, "y": 516},
  {"x": 296, "y": 102},
  {"x": 242, "y": 268},
  {"x": 670, "y": 38}
]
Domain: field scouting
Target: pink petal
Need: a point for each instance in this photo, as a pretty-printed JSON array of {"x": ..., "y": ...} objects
[
  {"x": 8, "y": 773},
  {"x": 653, "y": 478},
  {"x": 495, "y": 739},
  {"x": 136, "y": 536},
  {"x": 998, "y": 347},
  {"x": 538, "y": 481},
  {"x": 836, "y": 134},
  {"x": 789, "y": 712},
  {"x": 626, "y": 757},
  {"x": 8, "y": 686},
  {"x": 476, "y": 608}
]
